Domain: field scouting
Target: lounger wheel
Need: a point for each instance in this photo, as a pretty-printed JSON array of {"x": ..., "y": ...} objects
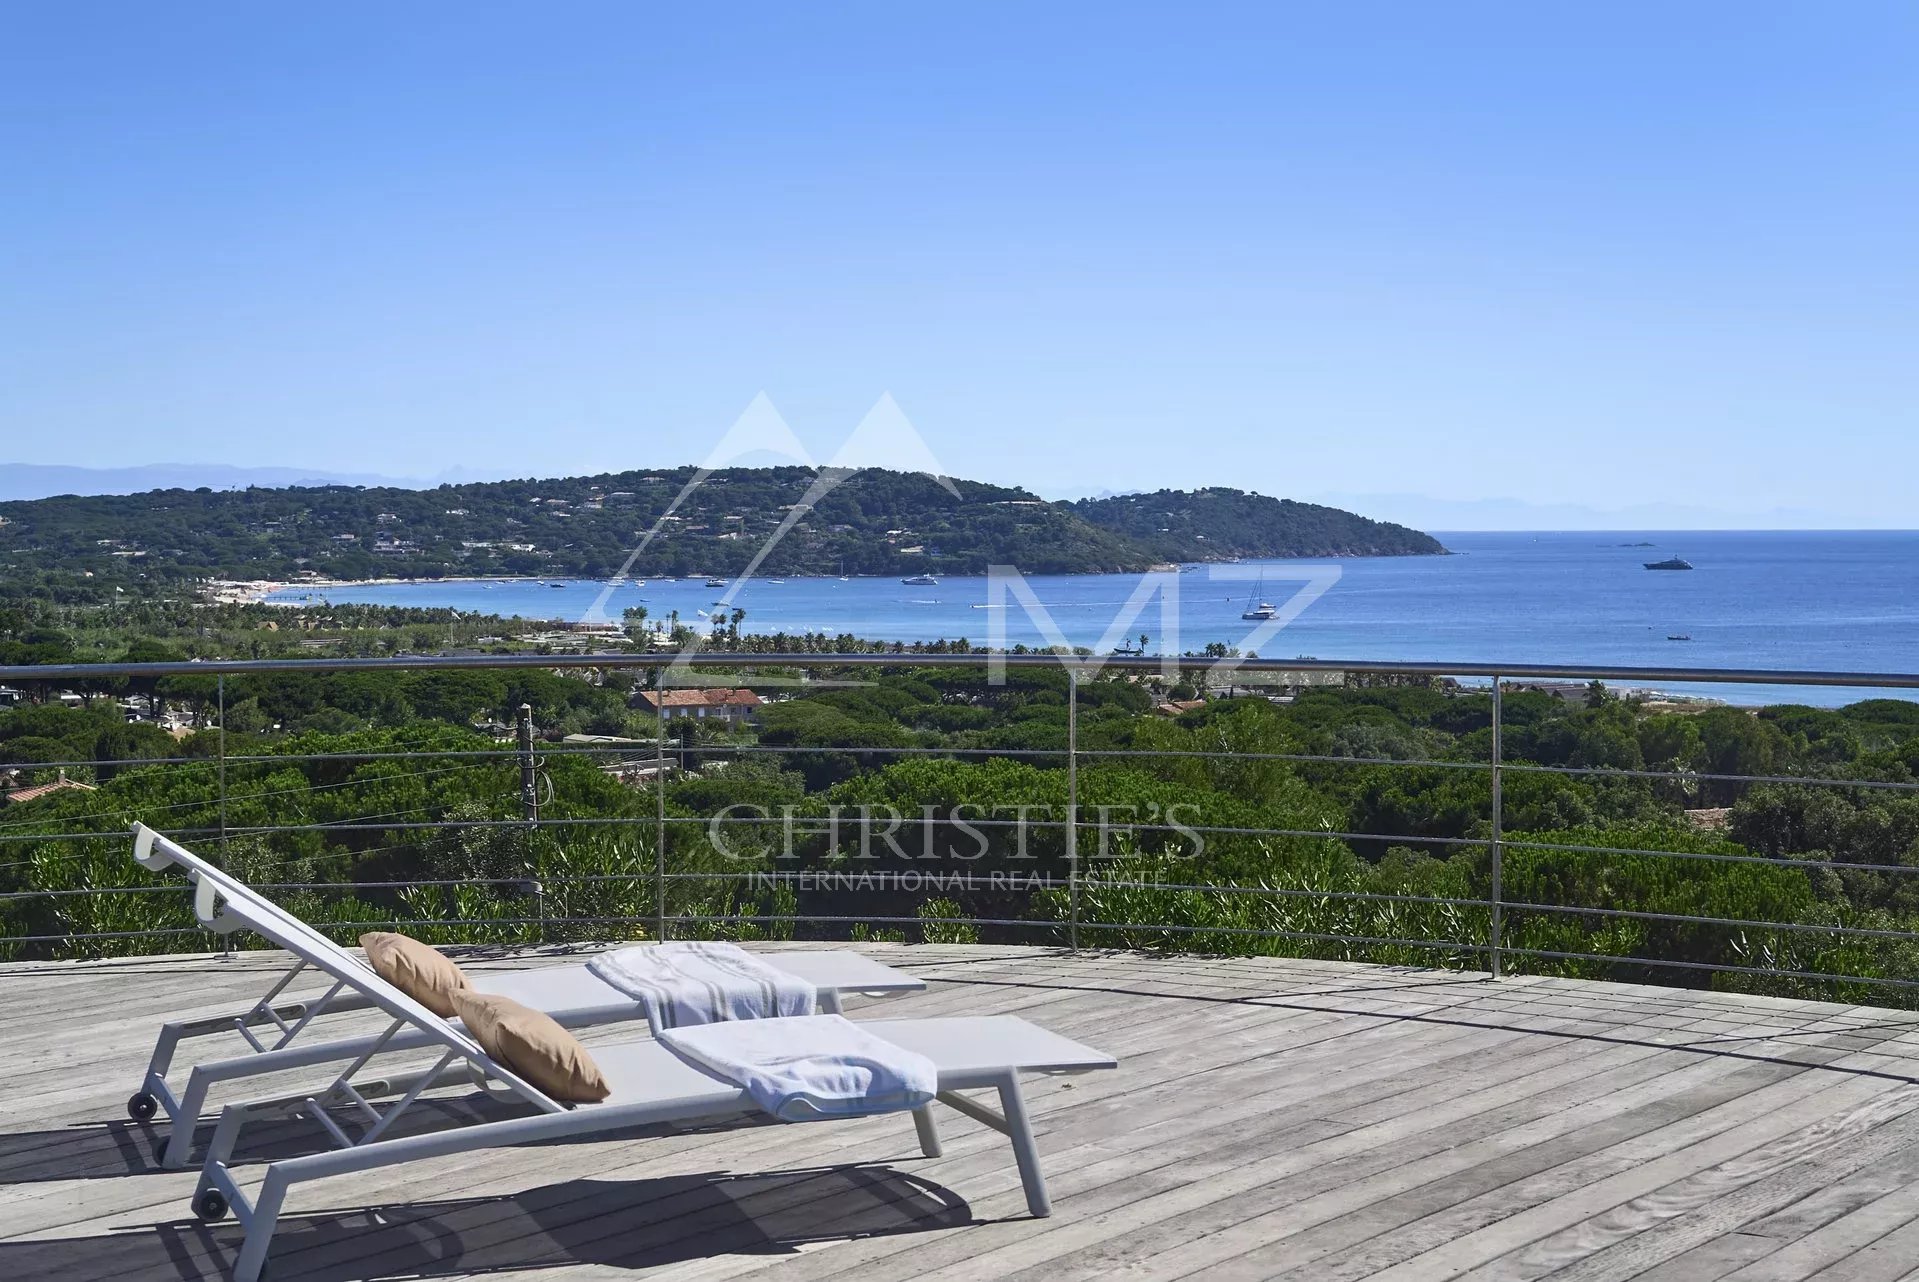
[
  {"x": 142, "y": 1107},
  {"x": 210, "y": 1205}
]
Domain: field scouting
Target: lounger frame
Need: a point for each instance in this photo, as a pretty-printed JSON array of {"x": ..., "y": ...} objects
[
  {"x": 292, "y": 1018},
  {"x": 259, "y": 1212},
  {"x": 223, "y": 903}
]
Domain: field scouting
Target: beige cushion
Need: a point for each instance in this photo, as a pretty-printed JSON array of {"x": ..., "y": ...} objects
[
  {"x": 416, "y": 969},
  {"x": 530, "y": 1043}
]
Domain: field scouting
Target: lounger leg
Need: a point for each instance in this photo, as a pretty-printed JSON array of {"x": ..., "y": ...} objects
[
  {"x": 266, "y": 1216},
  {"x": 226, "y": 1134},
  {"x": 928, "y": 1128},
  {"x": 163, "y": 1049},
  {"x": 1025, "y": 1151},
  {"x": 186, "y": 1120}
]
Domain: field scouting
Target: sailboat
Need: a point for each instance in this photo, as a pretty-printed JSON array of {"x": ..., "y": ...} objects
[
  {"x": 1261, "y": 610},
  {"x": 842, "y": 569}
]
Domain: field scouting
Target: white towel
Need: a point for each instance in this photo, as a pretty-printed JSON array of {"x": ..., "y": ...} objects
[
  {"x": 701, "y": 983},
  {"x": 809, "y": 1068}
]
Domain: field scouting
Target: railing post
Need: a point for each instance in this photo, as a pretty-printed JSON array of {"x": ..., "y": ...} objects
[
  {"x": 530, "y": 810},
  {"x": 1072, "y": 806},
  {"x": 659, "y": 804},
  {"x": 226, "y": 860},
  {"x": 1498, "y": 821}
]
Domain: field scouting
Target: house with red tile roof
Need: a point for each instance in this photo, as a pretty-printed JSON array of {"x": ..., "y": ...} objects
[
  {"x": 14, "y": 796},
  {"x": 713, "y": 703}
]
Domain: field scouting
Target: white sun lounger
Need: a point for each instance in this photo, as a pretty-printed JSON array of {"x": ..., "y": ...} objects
[
  {"x": 649, "y": 1085},
  {"x": 572, "y": 995}
]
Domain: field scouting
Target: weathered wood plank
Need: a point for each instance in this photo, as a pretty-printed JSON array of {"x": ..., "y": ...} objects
[{"x": 1272, "y": 1118}]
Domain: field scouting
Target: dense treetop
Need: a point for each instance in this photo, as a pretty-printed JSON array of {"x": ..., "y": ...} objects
[
  {"x": 1276, "y": 787},
  {"x": 1192, "y": 525}
]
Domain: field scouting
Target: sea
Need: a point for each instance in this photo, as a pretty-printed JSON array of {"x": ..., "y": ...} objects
[{"x": 1833, "y": 601}]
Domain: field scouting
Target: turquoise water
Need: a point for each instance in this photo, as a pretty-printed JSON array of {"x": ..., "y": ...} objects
[{"x": 1822, "y": 600}]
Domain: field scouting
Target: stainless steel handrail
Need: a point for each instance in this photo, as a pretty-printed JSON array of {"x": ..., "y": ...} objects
[{"x": 1115, "y": 663}]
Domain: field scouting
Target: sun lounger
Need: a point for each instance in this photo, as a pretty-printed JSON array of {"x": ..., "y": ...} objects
[
  {"x": 648, "y": 1084},
  {"x": 571, "y": 994}
]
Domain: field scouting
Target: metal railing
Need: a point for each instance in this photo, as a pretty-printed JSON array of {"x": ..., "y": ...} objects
[{"x": 1500, "y": 931}]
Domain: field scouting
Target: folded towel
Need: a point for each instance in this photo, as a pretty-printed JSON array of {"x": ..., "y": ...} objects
[
  {"x": 700, "y": 983},
  {"x": 808, "y": 1068}
]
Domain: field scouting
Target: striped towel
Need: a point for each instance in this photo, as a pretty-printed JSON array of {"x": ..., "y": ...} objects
[
  {"x": 699, "y": 983},
  {"x": 803, "y": 1070}
]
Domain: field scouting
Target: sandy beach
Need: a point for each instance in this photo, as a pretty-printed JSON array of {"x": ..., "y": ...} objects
[{"x": 257, "y": 591}]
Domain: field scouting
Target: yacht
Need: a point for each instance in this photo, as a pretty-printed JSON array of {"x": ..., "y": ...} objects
[
  {"x": 716, "y": 583},
  {"x": 1670, "y": 563},
  {"x": 1257, "y": 609},
  {"x": 921, "y": 581}
]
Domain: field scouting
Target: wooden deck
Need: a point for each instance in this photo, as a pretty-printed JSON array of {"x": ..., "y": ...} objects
[{"x": 1270, "y": 1119}]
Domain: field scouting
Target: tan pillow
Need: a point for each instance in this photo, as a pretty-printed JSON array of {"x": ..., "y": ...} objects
[
  {"x": 416, "y": 969},
  {"x": 530, "y": 1043}
]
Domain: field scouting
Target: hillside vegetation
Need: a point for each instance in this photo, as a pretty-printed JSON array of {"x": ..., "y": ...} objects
[
  {"x": 1194, "y": 525},
  {"x": 875, "y": 522}
]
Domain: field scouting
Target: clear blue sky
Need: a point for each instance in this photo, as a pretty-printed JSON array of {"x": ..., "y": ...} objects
[{"x": 1598, "y": 254}]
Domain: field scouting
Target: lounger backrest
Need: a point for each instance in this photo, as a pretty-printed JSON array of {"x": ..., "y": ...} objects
[{"x": 224, "y": 903}]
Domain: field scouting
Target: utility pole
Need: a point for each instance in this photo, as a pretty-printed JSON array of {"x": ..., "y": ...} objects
[{"x": 529, "y": 776}]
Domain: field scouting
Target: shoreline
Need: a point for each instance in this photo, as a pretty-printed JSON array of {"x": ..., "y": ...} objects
[
  {"x": 259, "y": 589},
  {"x": 256, "y": 591}
]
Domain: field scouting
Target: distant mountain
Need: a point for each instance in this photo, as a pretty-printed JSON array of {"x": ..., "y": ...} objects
[
  {"x": 38, "y": 481},
  {"x": 873, "y": 522},
  {"x": 1521, "y": 514},
  {"x": 1211, "y": 524}
]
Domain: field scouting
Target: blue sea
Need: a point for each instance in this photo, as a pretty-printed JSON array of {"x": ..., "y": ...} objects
[{"x": 1825, "y": 600}]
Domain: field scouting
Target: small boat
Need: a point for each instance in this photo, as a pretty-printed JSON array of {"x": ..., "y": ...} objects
[
  {"x": 1679, "y": 636},
  {"x": 921, "y": 581},
  {"x": 716, "y": 583},
  {"x": 1261, "y": 610},
  {"x": 780, "y": 582},
  {"x": 1670, "y": 563}
]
